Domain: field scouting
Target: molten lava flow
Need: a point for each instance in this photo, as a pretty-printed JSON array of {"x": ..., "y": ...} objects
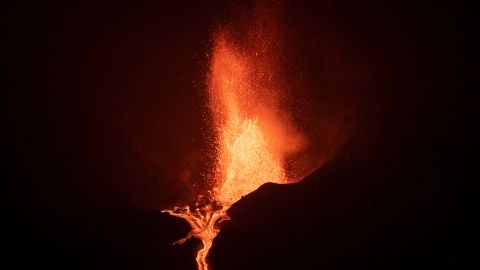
[
  {"x": 252, "y": 135},
  {"x": 203, "y": 220}
]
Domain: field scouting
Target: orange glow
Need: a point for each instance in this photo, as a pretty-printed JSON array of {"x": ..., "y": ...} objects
[
  {"x": 247, "y": 160},
  {"x": 246, "y": 156},
  {"x": 252, "y": 132}
]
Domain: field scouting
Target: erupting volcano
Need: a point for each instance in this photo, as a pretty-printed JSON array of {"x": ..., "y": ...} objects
[{"x": 253, "y": 134}]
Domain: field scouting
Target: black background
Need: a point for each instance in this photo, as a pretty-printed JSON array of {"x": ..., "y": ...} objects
[{"x": 103, "y": 109}]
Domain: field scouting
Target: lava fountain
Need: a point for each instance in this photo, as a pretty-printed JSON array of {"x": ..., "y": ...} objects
[{"x": 252, "y": 131}]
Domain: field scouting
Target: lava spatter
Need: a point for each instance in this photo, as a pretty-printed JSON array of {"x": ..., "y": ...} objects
[{"x": 252, "y": 137}]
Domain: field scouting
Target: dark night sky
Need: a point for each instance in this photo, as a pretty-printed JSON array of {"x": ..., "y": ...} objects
[{"x": 105, "y": 115}]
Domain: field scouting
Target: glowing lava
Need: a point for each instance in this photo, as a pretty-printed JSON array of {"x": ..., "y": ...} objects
[
  {"x": 203, "y": 220},
  {"x": 252, "y": 133}
]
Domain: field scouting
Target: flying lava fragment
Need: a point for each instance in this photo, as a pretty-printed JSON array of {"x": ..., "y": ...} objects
[{"x": 252, "y": 131}]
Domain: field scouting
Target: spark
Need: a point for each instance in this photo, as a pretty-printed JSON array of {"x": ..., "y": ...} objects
[{"x": 251, "y": 137}]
